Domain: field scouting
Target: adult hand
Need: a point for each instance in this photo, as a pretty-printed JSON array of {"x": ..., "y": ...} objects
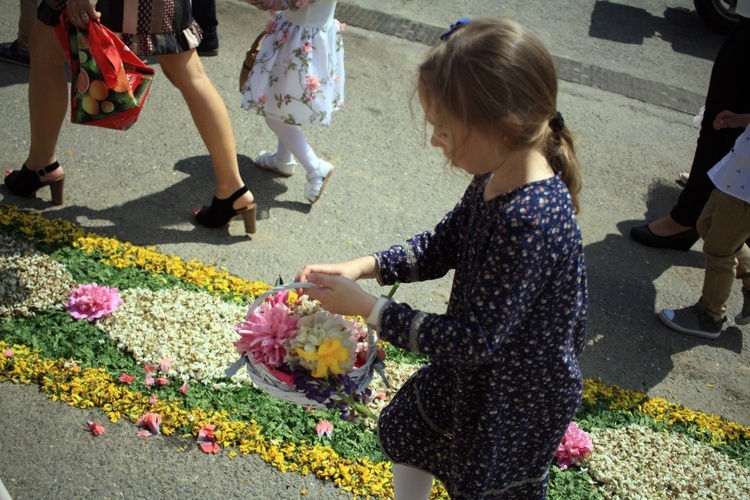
[
  {"x": 728, "y": 119},
  {"x": 81, "y": 12},
  {"x": 340, "y": 295}
]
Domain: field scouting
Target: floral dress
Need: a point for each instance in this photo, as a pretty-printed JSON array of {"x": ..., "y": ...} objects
[
  {"x": 486, "y": 415},
  {"x": 298, "y": 76}
]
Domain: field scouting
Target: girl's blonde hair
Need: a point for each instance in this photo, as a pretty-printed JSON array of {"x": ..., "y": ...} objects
[{"x": 495, "y": 76}]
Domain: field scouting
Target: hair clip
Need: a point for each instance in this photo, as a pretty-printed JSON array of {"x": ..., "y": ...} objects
[
  {"x": 454, "y": 27},
  {"x": 556, "y": 123}
]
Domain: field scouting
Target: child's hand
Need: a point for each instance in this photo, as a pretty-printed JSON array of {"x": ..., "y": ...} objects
[
  {"x": 729, "y": 119},
  {"x": 340, "y": 295}
]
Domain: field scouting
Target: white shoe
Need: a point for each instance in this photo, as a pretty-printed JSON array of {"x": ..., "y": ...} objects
[
  {"x": 316, "y": 181},
  {"x": 267, "y": 161}
]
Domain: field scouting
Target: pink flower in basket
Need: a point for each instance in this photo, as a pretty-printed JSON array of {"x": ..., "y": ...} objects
[
  {"x": 264, "y": 333},
  {"x": 574, "y": 445},
  {"x": 92, "y": 301}
]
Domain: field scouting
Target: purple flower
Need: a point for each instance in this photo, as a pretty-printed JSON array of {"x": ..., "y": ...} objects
[{"x": 92, "y": 301}]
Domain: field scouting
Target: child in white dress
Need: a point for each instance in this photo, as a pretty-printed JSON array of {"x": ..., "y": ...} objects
[{"x": 297, "y": 81}]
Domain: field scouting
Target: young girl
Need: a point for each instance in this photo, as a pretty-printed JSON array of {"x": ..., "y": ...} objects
[
  {"x": 486, "y": 415},
  {"x": 297, "y": 81}
]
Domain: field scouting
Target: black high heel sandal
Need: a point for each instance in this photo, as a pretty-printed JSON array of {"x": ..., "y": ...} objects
[
  {"x": 221, "y": 213},
  {"x": 26, "y": 182}
]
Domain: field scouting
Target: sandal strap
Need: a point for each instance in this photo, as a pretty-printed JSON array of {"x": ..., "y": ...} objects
[
  {"x": 236, "y": 195},
  {"x": 41, "y": 172}
]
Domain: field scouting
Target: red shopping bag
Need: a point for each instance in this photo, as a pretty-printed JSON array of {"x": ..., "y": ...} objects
[{"x": 110, "y": 83}]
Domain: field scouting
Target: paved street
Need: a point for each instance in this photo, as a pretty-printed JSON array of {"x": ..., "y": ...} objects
[{"x": 633, "y": 74}]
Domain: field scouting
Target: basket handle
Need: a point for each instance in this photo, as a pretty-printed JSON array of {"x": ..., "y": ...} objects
[{"x": 289, "y": 286}]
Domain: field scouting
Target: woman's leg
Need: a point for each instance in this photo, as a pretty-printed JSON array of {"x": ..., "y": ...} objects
[
  {"x": 48, "y": 98},
  {"x": 210, "y": 115}
]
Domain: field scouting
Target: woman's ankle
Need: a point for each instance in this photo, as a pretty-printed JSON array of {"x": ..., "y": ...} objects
[{"x": 667, "y": 226}]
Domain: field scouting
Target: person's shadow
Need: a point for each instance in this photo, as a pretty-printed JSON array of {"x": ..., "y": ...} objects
[
  {"x": 152, "y": 219},
  {"x": 632, "y": 25},
  {"x": 628, "y": 346}
]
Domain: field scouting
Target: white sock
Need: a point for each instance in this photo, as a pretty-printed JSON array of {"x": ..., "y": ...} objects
[
  {"x": 410, "y": 483},
  {"x": 293, "y": 142}
]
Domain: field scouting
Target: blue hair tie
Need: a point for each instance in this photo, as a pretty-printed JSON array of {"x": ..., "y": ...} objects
[{"x": 454, "y": 27}]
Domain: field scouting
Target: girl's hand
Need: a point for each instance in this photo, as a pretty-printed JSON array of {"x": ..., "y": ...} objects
[
  {"x": 340, "y": 295},
  {"x": 364, "y": 267}
]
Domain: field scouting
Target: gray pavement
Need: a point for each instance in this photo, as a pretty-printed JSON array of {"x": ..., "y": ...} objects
[{"x": 633, "y": 73}]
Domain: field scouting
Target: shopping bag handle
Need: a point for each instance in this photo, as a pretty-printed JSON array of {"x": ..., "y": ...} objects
[{"x": 104, "y": 51}]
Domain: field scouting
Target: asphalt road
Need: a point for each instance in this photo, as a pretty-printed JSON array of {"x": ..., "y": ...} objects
[{"x": 142, "y": 185}]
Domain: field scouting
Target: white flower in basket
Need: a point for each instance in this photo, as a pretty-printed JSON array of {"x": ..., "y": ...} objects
[{"x": 305, "y": 355}]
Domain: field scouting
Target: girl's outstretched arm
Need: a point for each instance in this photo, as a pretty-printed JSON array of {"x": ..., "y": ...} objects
[{"x": 361, "y": 268}]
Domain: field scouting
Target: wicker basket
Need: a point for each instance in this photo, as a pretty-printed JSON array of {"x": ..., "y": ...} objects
[{"x": 264, "y": 379}]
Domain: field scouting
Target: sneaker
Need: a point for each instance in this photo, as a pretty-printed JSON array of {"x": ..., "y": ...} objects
[
  {"x": 743, "y": 317},
  {"x": 9, "y": 52},
  {"x": 267, "y": 161},
  {"x": 316, "y": 182},
  {"x": 692, "y": 320}
]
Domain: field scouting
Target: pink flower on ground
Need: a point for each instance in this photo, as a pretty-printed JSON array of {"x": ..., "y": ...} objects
[
  {"x": 324, "y": 427},
  {"x": 151, "y": 367},
  {"x": 126, "y": 379},
  {"x": 307, "y": 48},
  {"x": 92, "y": 301},
  {"x": 264, "y": 332},
  {"x": 143, "y": 434},
  {"x": 153, "y": 399},
  {"x": 151, "y": 422},
  {"x": 96, "y": 429},
  {"x": 207, "y": 439},
  {"x": 574, "y": 445},
  {"x": 165, "y": 365},
  {"x": 149, "y": 380},
  {"x": 161, "y": 381},
  {"x": 262, "y": 100},
  {"x": 184, "y": 388},
  {"x": 9, "y": 353},
  {"x": 312, "y": 83}
]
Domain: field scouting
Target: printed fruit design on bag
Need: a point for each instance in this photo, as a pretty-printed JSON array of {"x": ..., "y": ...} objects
[{"x": 93, "y": 100}]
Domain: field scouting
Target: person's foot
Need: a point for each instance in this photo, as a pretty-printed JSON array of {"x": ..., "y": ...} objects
[
  {"x": 743, "y": 317},
  {"x": 10, "y": 52},
  {"x": 692, "y": 320},
  {"x": 665, "y": 233},
  {"x": 209, "y": 46},
  {"x": 317, "y": 181}
]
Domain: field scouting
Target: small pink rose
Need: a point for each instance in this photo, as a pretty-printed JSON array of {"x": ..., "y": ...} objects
[
  {"x": 126, "y": 379},
  {"x": 161, "y": 381},
  {"x": 149, "y": 380},
  {"x": 312, "y": 82},
  {"x": 263, "y": 99},
  {"x": 9, "y": 353},
  {"x": 307, "y": 48}
]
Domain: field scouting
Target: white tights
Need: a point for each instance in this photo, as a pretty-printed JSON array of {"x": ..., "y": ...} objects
[
  {"x": 410, "y": 483},
  {"x": 291, "y": 142}
]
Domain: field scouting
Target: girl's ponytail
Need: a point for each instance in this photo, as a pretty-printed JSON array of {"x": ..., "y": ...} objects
[{"x": 560, "y": 150}]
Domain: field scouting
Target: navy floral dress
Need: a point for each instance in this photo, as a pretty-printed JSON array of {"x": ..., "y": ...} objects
[{"x": 486, "y": 415}]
